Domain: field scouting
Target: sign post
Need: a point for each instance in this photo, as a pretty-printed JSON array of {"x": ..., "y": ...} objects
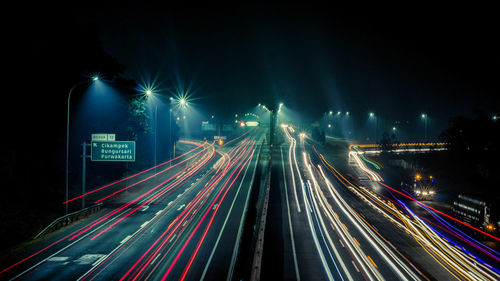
[
  {"x": 84, "y": 170},
  {"x": 104, "y": 147}
]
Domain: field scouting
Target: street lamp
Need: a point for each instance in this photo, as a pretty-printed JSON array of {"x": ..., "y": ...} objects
[
  {"x": 424, "y": 117},
  {"x": 183, "y": 102},
  {"x": 94, "y": 78}
]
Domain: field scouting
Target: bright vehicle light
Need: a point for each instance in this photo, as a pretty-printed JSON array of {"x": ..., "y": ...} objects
[{"x": 252, "y": 123}]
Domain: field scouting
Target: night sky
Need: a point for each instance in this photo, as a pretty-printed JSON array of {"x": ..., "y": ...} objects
[{"x": 397, "y": 61}]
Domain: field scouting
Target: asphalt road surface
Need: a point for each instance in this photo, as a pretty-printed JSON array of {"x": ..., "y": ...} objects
[
  {"x": 327, "y": 223},
  {"x": 175, "y": 222}
]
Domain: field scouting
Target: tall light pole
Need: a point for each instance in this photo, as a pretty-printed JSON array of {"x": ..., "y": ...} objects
[
  {"x": 372, "y": 116},
  {"x": 95, "y": 78},
  {"x": 182, "y": 102},
  {"x": 149, "y": 92},
  {"x": 170, "y": 151},
  {"x": 424, "y": 117}
]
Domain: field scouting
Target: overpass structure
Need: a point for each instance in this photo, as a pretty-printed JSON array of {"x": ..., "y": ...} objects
[{"x": 399, "y": 147}]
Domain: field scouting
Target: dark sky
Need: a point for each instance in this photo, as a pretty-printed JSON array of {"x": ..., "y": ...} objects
[{"x": 397, "y": 61}]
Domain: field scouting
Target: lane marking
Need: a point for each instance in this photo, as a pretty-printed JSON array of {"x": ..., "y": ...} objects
[{"x": 353, "y": 263}]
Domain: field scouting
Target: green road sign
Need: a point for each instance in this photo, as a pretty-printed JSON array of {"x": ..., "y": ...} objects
[
  {"x": 207, "y": 126},
  {"x": 121, "y": 151}
]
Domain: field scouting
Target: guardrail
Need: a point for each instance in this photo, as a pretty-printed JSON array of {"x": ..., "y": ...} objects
[{"x": 69, "y": 218}]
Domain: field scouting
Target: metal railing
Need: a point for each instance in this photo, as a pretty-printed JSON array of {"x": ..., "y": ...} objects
[{"x": 69, "y": 218}]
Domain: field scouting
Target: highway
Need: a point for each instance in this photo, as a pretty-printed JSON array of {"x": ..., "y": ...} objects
[
  {"x": 178, "y": 221},
  {"x": 330, "y": 217},
  {"x": 334, "y": 229}
]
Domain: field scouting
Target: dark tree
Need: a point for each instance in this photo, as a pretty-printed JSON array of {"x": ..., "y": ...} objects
[{"x": 475, "y": 143}]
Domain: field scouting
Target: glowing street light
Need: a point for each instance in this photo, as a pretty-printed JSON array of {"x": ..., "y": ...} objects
[
  {"x": 94, "y": 78},
  {"x": 183, "y": 102}
]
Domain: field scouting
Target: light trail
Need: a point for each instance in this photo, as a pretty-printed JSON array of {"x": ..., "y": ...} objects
[
  {"x": 364, "y": 168},
  {"x": 135, "y": 200},
  {"x": 444, "y": 214},
  {"x": 372, "y": 175},
  {"x": 117, "y": 212},
  {"x": 202, "y": 195},
  {"x": 152, "y": 176},
  {"x": 374, "y": 241},
  {"x": 135, "y": 237},
  {"x": 292, "y": 152},
  {"x": 200, "y": 242},
  {"x": 192, "y": 209},
  {"x": 224, "y": 187},
  {"x": 311, "y": 226},
  {"x": 459, "y": 261},
  {"x": 292, "y": 239},
  {"x": 198, "y": 145}
]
